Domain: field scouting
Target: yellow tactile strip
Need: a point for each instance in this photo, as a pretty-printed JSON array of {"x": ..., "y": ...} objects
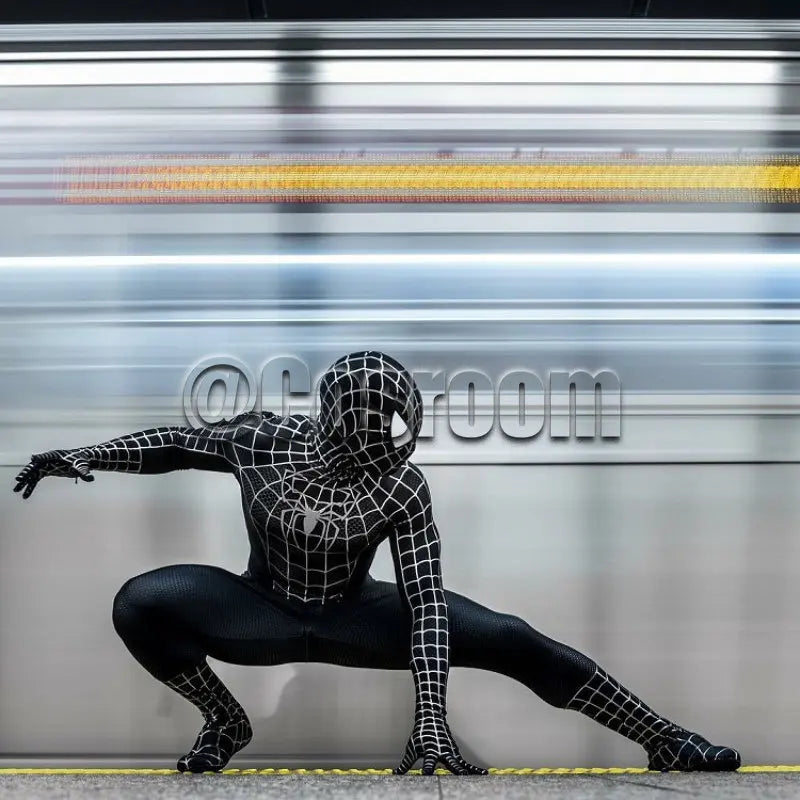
[{"x": 279, "y": 771}]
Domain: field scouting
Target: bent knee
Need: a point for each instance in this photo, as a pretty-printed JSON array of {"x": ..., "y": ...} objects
[
  {"x": 162, "y": 595},
  {"x": 136, "y": 603}
]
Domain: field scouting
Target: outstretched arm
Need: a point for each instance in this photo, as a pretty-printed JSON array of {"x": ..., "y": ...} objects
[
  {"x": 416, "y": 550},
  {"x": 149, "y": 452}
]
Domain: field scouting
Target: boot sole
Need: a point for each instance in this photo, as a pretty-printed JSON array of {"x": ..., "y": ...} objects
[{"x": 720, "y": 765}]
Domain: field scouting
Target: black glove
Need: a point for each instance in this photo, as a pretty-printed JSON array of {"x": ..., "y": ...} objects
[
  {"x": 59, "y": 463},
  {"x": 432, "y": 741}
]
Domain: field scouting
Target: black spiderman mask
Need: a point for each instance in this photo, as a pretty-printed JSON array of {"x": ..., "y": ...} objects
[{"x": 370, "y": 414}]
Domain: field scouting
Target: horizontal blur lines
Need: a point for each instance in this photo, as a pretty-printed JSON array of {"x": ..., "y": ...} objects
[{"x": 432, "y": 177}]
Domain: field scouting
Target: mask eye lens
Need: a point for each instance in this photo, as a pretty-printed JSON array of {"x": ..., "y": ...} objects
[{"x": 400, "y": 432}]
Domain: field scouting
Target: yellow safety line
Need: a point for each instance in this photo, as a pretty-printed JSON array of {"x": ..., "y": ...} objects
[
  {"x": 446, "y": 177},
  {"x": 279, "y": 771},
  {"x": 305, "y": 178}
]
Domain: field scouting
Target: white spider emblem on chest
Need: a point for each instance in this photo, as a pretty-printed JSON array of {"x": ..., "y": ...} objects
[
  {"x": 322, "y": 518},
  {"x": 311, "y": 519}
]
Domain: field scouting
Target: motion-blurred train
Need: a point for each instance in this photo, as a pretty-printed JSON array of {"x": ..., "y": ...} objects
[{"x": 198, "y": 219}]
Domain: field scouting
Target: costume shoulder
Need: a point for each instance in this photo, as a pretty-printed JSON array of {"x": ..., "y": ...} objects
[
  {"x": 241, "y": 425},
  {"x": 408, "y": 475},
  {"x": 295, "y": 426},
  {"x": 406, "y": 487},
  {"x": 257, "y": 429}
]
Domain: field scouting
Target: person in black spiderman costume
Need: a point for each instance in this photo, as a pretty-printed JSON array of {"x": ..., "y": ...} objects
[{"x": 319, "y": 496}]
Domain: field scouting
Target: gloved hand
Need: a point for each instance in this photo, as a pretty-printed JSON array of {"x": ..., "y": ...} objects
[
  {"x": 59, "y": 463},
  {"x": 432, "y": 741}
]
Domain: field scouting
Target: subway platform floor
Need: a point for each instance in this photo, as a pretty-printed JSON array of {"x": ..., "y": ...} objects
[{"x": 625, "y": 785}]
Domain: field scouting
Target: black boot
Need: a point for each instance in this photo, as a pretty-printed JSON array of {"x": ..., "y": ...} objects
[
  {"x": 227, "y": 729},
  {"x": 668, "y": 746}
]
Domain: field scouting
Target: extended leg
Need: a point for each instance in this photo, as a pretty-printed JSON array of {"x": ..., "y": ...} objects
[
  {"x": 668, "y": 746},
  {"x": 172, "y": 618},
  {"x": 378, "y": 635},
  {"x": 568, "y": 679}
]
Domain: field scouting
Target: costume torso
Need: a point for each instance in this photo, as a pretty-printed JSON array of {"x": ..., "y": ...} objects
[{"x": 313, "y": 527}]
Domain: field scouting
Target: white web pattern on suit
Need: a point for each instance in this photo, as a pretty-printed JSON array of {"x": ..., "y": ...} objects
[
  {"x": 318, "y": 506},
  {"x": 292, "y": 476},
  {"x": 277, "y": 457},
  {"x": 227, "y": 729},
  {"x": 669, "y": 746}
]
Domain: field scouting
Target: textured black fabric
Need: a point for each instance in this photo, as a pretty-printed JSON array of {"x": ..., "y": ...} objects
[
  {"x": 319, "y": 497},
  {"x": 227, "y": 728},
  {"x": 668, "y": 746},
  {"x": 172, "y": 618}
]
